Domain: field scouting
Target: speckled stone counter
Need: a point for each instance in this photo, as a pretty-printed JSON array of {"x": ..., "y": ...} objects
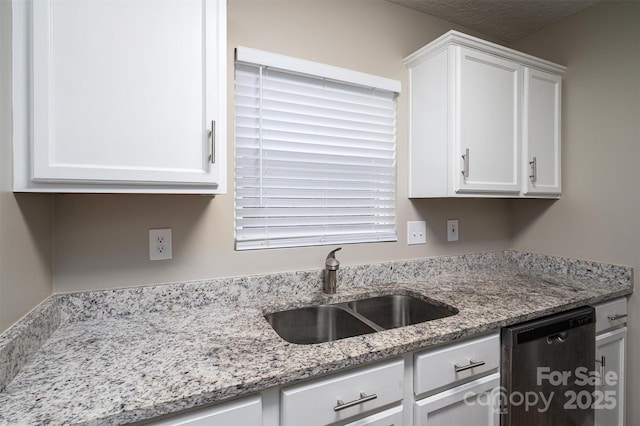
[{"x": 114, "y": 357}]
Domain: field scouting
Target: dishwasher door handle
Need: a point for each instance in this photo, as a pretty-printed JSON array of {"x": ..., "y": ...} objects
[{"x": 556, "y": 339}]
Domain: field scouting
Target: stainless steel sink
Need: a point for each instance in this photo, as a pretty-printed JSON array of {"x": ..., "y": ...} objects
[
  {"x": 325, "y": 323},
  {"x": 316, "y": 324},
  {"x": 397, "y": 311}
]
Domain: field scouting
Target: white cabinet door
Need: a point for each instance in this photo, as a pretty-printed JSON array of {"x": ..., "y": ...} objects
[
  {"x": 610, "y": 362},
  {"x": 487, "y": 123},
  {"x": 245, "y": 411},
  {"x": 473, "y": 404},
  {"x": 541, "y": 132},
  {"x": 126, "y": 94},
  {"x": 390, "y": 417}
]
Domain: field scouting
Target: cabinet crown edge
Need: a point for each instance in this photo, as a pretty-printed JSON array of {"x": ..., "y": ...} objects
[{"x": 456, "y": 38}]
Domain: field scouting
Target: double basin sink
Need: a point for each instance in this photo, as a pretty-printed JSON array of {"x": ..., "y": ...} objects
[{"x": 325, "y": 323}]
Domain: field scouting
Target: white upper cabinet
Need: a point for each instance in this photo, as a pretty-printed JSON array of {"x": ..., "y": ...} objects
[
  {"x": 479, "y": 114},
  {"x": 120, "y": 96},
  {"x": 541, "y": 132},
  {"x": 487, "y": 130}
]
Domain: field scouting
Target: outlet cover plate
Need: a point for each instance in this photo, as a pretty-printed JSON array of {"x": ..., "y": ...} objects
[
  {"x": 416, "y": 232},
  {"x": 453, "y": 232},
  {"x": 160, "y": 244}
]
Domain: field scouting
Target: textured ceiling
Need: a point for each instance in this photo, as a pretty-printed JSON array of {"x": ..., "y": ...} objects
[{"x": 506, "y": 20}]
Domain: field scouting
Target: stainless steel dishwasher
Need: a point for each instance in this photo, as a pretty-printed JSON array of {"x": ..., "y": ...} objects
[{"x": 547, "y": 370}]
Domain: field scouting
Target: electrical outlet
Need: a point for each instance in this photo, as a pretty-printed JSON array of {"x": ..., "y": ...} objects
[
  {"x": 160, "y": 244},
  {"x": 453, "y": 232},
  {"x": 416, "y": 232}
]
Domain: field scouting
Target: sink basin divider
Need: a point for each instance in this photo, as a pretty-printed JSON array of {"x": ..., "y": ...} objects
[{"x": 345, "y": 306}]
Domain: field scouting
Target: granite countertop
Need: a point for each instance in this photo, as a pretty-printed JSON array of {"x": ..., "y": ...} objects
[{"x": 128, "y": 355}]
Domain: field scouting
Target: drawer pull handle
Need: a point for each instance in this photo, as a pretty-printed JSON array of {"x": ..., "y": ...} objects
[
  {"x": 469, "y": 366},
  {"x": 614, "y": 317},
  {"x": 363, "y": 398}
]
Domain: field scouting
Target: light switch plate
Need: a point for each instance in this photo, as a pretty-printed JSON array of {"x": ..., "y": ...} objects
[
  {"x": 416, "y": 232},
  {"x": 453, "y": 232},
  {"x": 160, "y": 244}
]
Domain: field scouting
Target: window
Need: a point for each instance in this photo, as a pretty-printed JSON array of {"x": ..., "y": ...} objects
[{"x": 314, "y": 151}]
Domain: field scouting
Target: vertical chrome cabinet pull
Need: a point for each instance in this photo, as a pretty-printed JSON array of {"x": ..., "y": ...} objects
[
  {"x": 469, "y": 366},
  {"x": 213, "y": 142},
  {"x": 602, "y": 362},
  {"x": 465, "y": 157},
  {"x": 363, "y": 398},
  {"x": 534, "y": 170}
]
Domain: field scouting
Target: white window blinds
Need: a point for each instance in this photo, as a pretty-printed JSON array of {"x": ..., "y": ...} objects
[{"x": 315, "y": 158}]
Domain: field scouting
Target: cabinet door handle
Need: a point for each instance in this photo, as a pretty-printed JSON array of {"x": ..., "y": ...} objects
[
  {"x": 602, "y": 362},
  {"x": 534, "y": 170},
  {"x": 363, "y": 398},
  {"x": 469, "y": 366},
  {"x": 465, "y": 158},
  {"x": 614, "y": 317},
  {"x": 213, "y": 142}
]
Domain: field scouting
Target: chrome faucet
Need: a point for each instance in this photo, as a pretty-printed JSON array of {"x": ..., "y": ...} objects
[{"x": 331, "y": 266}]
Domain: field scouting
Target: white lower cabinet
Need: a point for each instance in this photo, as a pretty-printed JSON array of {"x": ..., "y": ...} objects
[
  {"x": 610, "y": 359},
  {"x": 458, "y": 384},
  {"x": 343, "y": 396},
  {"x": 245, "y": 411},
  {"x": 474, "y": 403},
  {"x": 611, "y": 343}
]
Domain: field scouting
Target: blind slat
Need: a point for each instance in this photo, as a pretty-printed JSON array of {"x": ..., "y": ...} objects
[
  {"x": 274, "y": 166},
  {"x": 328, "y": 186},
  {"x": 327, "y": 159},
  {"x": 311, "y": 203},
  {"x": 313, "y": 211},
  {"x": 295, "y": 193},
  {"x": 254, "y": 234},
  {"x": 305, "y": 221}
]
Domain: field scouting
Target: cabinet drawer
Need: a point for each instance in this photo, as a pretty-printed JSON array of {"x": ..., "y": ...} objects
[
  {"x": 246, "y": 411},
  {"x": 475, "y": 403},
  {"x": 390, "y": 417},
  {"x": 608, "y": 314},
  {"x": 452, "y": 363},
  {"x": 315, "y": 402}
]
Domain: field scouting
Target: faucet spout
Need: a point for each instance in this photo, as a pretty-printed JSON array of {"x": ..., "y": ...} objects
[{"x": 331, "y": 265}]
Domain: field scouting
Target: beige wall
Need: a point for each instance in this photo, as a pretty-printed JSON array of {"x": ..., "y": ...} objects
[
  {"x": 598, "y": 215},
  {"x": 25, "y": 220},
  {"x": 101, "y": 241}
]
